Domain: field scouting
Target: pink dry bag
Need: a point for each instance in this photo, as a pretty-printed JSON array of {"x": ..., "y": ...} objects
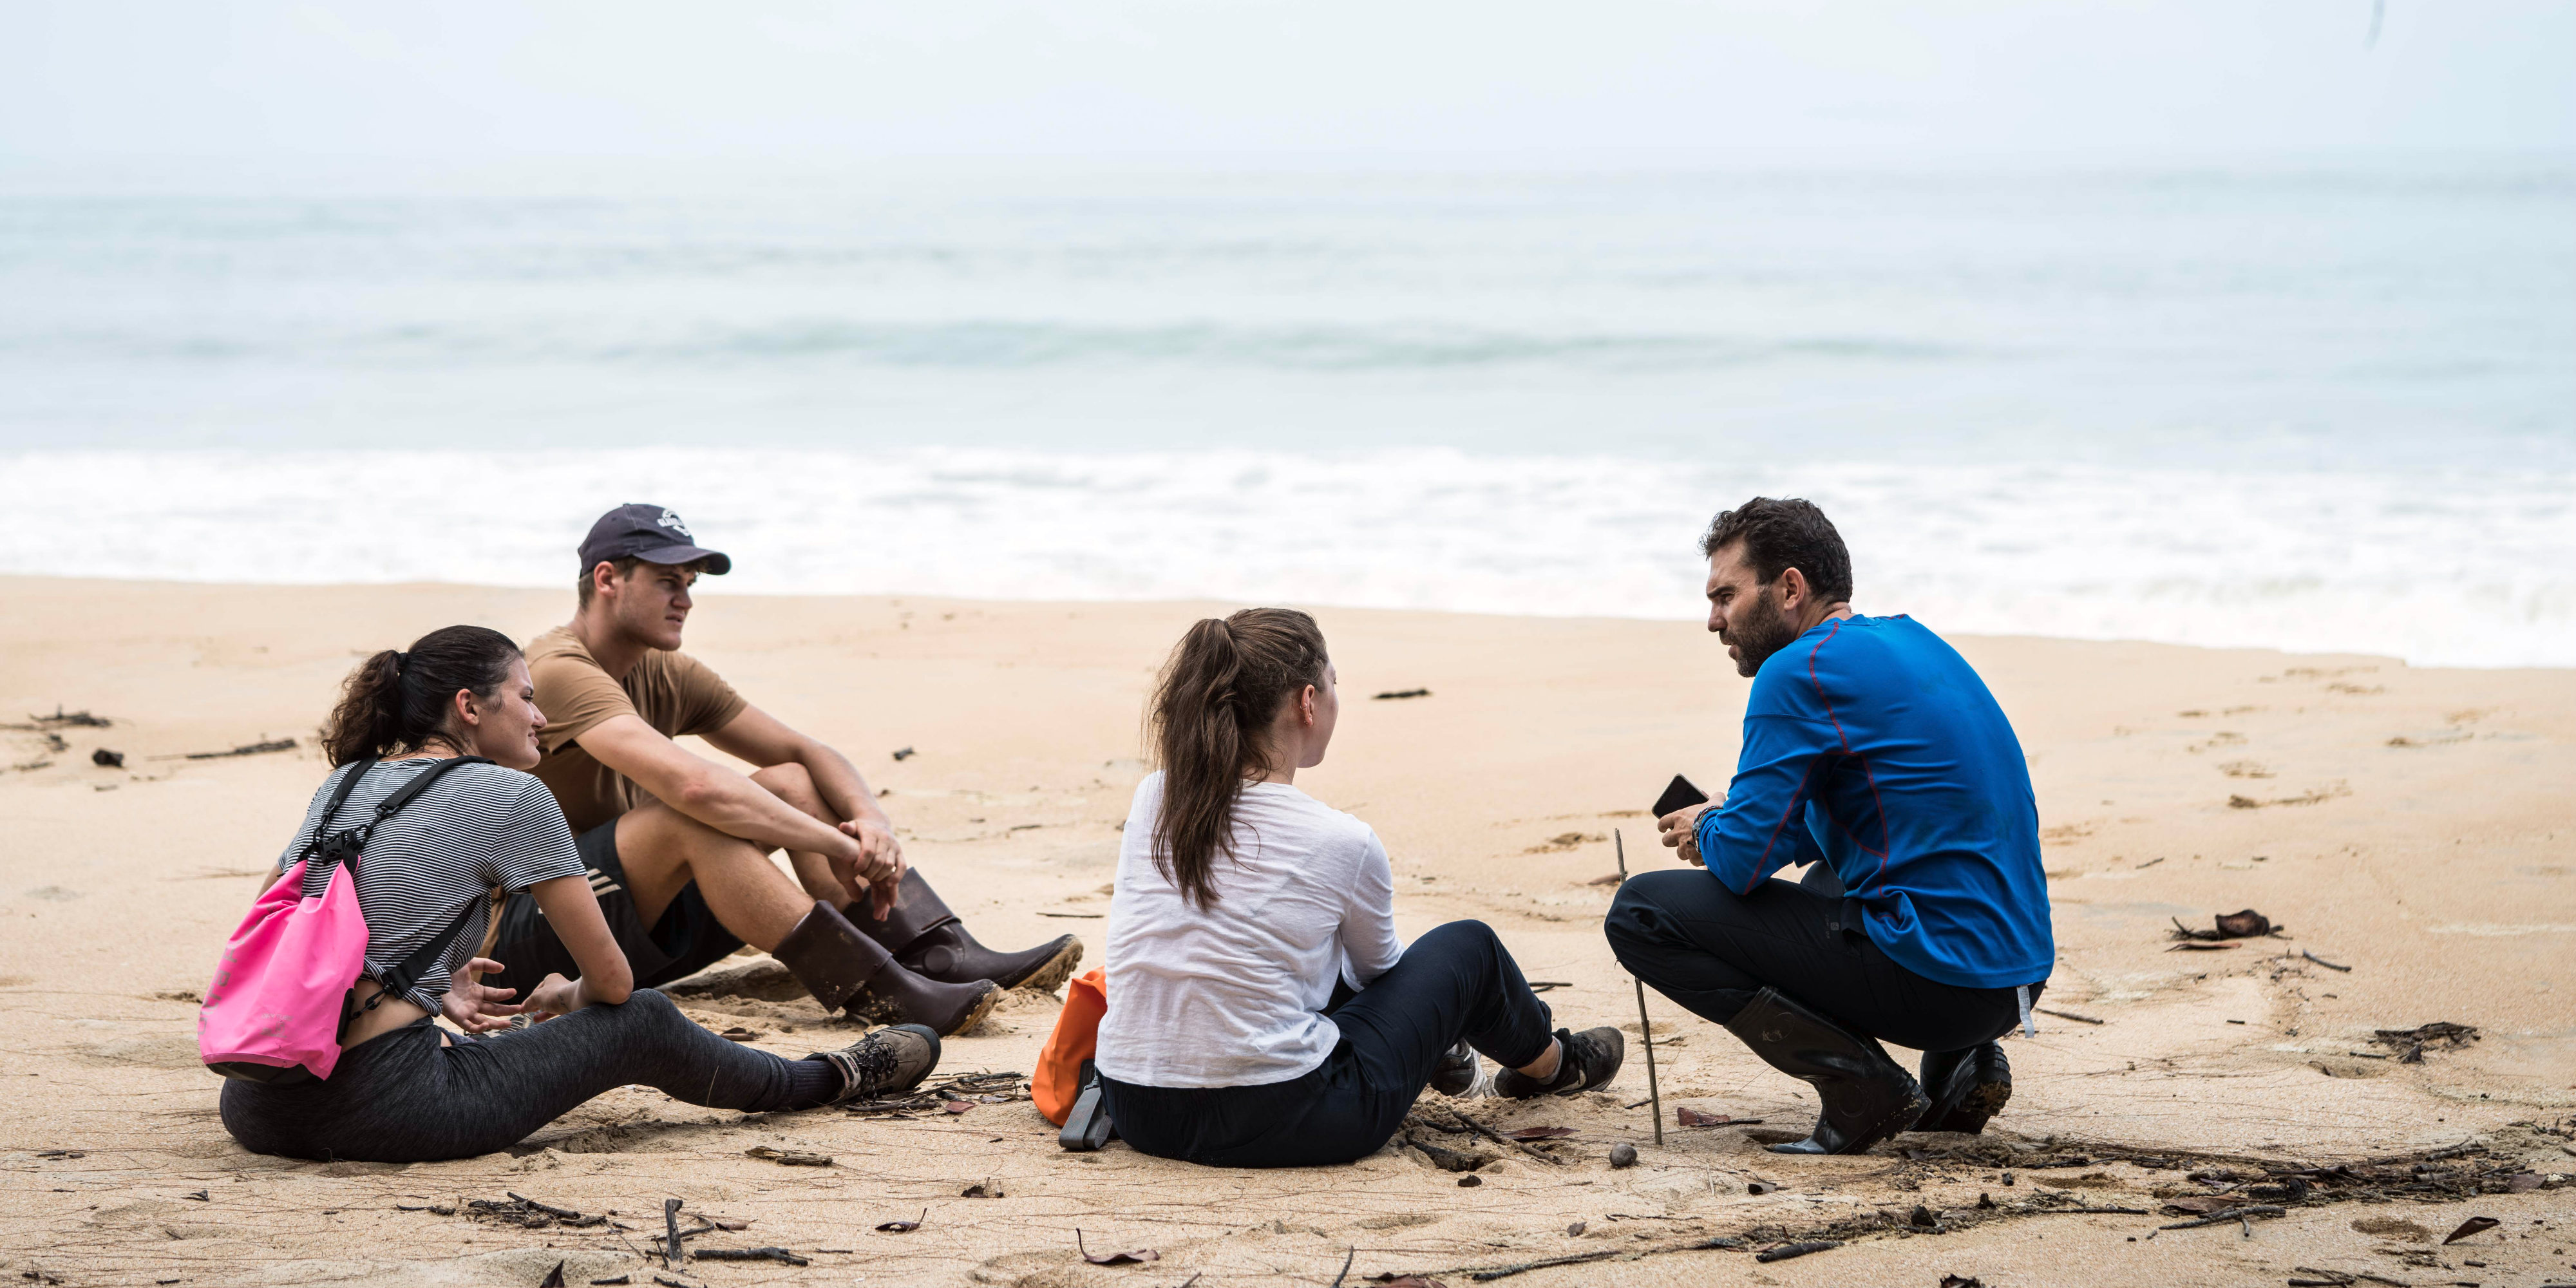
[{"x": 284, "y": 991}]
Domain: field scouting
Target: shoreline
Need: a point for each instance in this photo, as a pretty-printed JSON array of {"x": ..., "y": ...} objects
[
  {"x": 2306, "y": 561},
  {"x": 1215, "y": 603}
]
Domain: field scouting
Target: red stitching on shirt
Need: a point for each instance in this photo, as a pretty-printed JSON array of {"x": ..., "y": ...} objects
[
  {"x": 1796, "y": 798},
  {"x": 1819, "y": 685}
]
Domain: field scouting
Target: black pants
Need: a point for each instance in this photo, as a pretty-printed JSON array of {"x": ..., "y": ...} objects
[
  {"x": 1711, "y": 949},
  {"x": 1457, "y": 981},
  {"x": 684, "y": 940},
  {"x": 403, "y": 1098}
]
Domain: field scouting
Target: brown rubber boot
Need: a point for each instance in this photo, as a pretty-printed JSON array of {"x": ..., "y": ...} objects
[
  {"x": 845, "y": 969},
  {"x": 931, "y": 942}
]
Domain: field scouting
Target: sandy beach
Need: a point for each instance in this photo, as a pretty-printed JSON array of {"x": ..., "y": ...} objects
[{"x": 2412, "y": 830}]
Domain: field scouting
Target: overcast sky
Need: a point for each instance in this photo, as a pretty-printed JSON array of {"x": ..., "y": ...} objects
[{"x": 474, "y": 78}]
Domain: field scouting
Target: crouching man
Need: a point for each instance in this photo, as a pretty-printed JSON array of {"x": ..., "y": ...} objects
[
  {"x": 678, "y": 846},
  {"x": 1872, "y": 751}
]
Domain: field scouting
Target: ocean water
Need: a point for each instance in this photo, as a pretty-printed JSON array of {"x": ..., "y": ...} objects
[{"x": 2316, "y": 404}]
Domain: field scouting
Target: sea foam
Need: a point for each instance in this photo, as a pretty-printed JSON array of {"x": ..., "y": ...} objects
[{"x": 2473, "y": 570}]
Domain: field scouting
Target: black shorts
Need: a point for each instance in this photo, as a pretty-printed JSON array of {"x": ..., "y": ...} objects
[{"x": 685, "y": 940}]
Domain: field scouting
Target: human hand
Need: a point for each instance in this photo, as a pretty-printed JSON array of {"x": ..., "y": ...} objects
[
  {"x": 1681, "y": 830},
  {"x": 473, "y": 1006},
  {"x": 554, "y": 995},
  {"x": 879, "y": 866}
]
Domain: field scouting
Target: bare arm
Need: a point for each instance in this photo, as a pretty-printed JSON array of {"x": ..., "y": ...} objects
[
  {"x": 573, "y": 911},
  {"x": 759, "y": 737},
  {"x": 861, "y": 852},
  {"x": 706, "y": 791}
]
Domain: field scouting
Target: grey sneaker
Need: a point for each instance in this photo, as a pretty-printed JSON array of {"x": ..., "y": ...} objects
[
  {"x": 889, "y": 1061},
  {"x": 1456, "y": 1073},
  {"x": 1589, "y": 1061}
]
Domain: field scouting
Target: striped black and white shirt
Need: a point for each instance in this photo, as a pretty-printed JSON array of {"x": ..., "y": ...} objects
[{"x": 480, "y": 826}]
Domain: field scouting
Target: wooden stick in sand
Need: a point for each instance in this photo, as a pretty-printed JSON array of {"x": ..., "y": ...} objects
[{"x": 1645, "y": 1025}]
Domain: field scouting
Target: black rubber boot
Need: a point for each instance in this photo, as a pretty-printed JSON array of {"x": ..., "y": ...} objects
[
  {"x": 931, "y": 942},
  {"x": 1585, "y": 1061},
  {"x": 1867, "y": 1097},
  {"x": 844, "y": 969},
  {"x": 1967, "y": 1087}
]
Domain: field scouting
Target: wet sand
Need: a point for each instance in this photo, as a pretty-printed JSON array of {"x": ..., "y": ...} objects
[{"x": 2413, "y": 825}]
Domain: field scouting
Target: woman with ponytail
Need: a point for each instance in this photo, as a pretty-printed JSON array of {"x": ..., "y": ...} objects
[
  {"x": 403, "y": 1089},
  {"x": 1261, "y": 1011}
]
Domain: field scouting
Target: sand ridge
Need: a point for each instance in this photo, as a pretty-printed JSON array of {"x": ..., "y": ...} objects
[{"x": 2410, "y": 824}]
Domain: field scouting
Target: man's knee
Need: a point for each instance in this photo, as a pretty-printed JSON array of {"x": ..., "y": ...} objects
[
  {"x": 654, "y": 835},
  {"x": 791, "y": 783},
  {"x": 1642, "y": 912}
]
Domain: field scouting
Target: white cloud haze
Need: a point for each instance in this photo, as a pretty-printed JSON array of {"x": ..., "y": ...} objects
[{"x": 93, "y": 78}]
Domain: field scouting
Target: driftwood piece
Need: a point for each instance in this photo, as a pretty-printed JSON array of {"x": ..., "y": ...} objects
[
  {"x": 781, "y": 1255},
  {"x": 2231, "y": 1214},
  {"x": 1500, "y": 1139}
]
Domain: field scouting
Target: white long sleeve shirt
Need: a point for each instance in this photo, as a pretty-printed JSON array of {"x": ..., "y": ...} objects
[{"x": 1233, "y": 995}]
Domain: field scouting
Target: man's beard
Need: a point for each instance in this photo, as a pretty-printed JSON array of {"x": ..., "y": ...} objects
[{"x": 1758, "y": 630}]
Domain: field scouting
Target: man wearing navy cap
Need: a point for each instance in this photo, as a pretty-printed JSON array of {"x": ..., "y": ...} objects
[{"x": 678, "y": 846}]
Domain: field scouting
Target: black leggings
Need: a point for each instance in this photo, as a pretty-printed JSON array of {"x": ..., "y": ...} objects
[
  {"x": 403, "y": 1098},
  {"x": 1457, "y": 981},
  {"x": 1711, "y": 949}
]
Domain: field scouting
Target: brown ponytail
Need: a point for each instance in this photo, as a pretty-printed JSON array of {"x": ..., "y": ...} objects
[
  {"x": 402, "y": 701},
  {"x": 1212, "y": 709}
]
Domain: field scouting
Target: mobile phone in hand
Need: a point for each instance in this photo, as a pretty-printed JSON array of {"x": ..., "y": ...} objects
[{"x": 1680, "y": 795}]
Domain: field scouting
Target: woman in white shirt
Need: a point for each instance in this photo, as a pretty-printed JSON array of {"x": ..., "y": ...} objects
[{"x": 1261, "y": 1011}]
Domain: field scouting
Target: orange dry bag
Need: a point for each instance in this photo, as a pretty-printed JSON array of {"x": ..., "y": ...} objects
[{"x": 1077, "y": 1035}]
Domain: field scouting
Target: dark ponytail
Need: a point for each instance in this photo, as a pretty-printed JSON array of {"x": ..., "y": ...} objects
[
  {"x": 403, "y": 701},
  {"x": 1211, "y": 715}
]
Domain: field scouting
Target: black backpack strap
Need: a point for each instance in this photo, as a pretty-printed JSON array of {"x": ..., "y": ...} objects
[
  {"x": 405, "y": 974},
  {"x": 399, "y": 980},
  {"x": 422, "y": 783},
  {"x": 322, "y": 826}
]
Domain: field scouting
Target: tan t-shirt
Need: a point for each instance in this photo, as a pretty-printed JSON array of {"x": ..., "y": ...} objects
[{"x": 673, "y": 692}]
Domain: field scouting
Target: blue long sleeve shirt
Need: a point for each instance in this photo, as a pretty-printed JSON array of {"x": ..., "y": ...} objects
[{"x": 1872, "y": 745}]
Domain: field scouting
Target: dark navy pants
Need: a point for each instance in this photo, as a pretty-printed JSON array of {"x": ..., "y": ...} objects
[
  {"x": 1457, "y": 981},
  {"x": 1711, "y": 949}
]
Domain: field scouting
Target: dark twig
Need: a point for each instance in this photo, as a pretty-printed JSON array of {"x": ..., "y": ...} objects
[
  {"x": 1501, "y": 1139},
  {"x": 1788, "y": 1250},
  {"x": 549, "y": 1209},
  {"x": 1645, "y": 1023},
  {"x": 61, "y": 718},
  {"x": 671, "y": 1223},
  {"x": 246, "y": 749},
  {"x": 1580, "y": 1258},
  {"x": 2231, "y": 1214},
  {"x": 1346, "y": 1265},
  {"x": 781, "y": 1255},
  {"x": 2067, "y": 1015},
  {"x": 1576, "y": 1259},
  {"x": 2322, "y": 961}
]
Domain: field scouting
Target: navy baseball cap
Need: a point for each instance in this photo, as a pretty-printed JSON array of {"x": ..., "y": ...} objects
[{"x": 651, "y": 533}]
